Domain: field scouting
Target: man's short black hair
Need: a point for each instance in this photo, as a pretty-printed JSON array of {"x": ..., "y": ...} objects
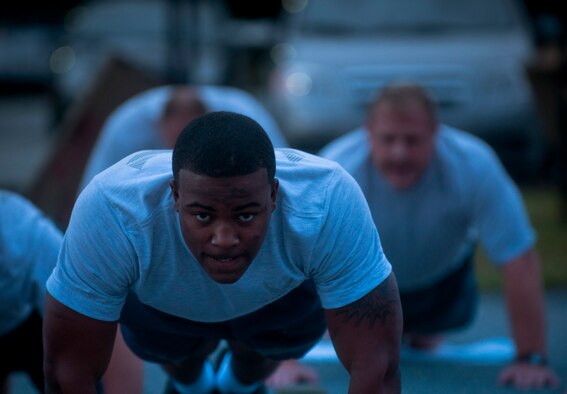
[{"x": 223, "y": 144}]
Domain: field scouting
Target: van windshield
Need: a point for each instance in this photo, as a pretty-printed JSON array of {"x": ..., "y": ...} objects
[{"x": 423, "y": 16}]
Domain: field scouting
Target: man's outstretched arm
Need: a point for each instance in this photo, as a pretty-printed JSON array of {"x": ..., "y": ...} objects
[
  {"x": 77, "y": 349},
  {"x": 523, "y": 288},
  {"x": 367, "y": 337}
]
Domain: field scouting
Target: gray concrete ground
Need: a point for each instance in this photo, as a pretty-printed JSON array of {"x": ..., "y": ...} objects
[
  {"x": 429, "y": 377},
  {"x": 25, "y": 143}
]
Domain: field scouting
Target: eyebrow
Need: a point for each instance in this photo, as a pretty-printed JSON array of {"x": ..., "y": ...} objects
[
  {"x": 209, "y": 208},
  {"x": 199, "y": 205},
  {"x": 246, "y": 206}
]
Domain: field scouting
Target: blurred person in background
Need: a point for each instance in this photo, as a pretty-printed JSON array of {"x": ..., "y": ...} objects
[
  {"x": 153, "y": 119},
  {"x": 29, "y": 245},
  {"x": 434, "y": 193}
]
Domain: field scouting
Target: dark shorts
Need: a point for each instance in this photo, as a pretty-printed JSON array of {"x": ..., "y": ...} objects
[
  {"x": 450, "y": 303},
  {"x": 22, "y": 351},
  {"x": 286, "y": 328}
]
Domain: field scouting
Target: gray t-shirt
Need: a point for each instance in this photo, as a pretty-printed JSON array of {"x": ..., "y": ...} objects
[
  {"x": 465, "y": 196},
  {"x": 29, "y": 244},
  {"x": 124, "y": 236}
]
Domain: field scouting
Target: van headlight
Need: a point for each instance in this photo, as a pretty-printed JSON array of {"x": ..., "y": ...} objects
[{"x": 299, "y": 84}]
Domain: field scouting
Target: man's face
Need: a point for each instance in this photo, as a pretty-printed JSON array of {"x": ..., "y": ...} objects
[
  {"x": 402, "y": 141},
  {"x": 224, "y": 220},
  {"x": 171, "y": 127}
]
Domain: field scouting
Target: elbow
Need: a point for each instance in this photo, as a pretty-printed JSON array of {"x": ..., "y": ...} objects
[
  {"x": 61, "y": 379},
  {"x": 393, "y": 377},
  {"x": 51, "y": 377},
  {"x": 389, "y": 365},
  {"x": 382, "y": 374}
]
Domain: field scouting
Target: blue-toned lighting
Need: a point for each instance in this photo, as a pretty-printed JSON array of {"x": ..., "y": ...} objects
[{"x": 299, "y": 84}]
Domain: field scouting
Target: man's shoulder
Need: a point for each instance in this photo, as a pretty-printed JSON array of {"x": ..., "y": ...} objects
[
  {"x": 465, "y": 150},
  {"x": 147, "y": 99},
  {"x": 308, "y": 182},
  {"x": 138, "y": 112},
  {"x": 298, "y": 166},
  {"x": 466, "y": 160},
  {"x": 16, "y": 210},
  {"x": 139, "y": 180},
  {"x": 461, "y": 142},
  {"x": 342, "y": 149},
  {"x": 10, "y": 200},
  {"x": 142, "y": 163}
]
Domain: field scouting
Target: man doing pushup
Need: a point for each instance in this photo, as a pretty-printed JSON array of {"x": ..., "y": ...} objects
[{"x": 223, "y": 239}]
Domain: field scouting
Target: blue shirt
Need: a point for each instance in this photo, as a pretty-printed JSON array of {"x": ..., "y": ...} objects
[
  {"x": 124, "y": 235},
  {"x": 464, "y": 196},
  {"x": 29, "y": 244}
]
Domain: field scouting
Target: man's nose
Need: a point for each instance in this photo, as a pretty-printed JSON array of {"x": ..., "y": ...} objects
[
  {"x": 399, "y": 150},
  {"x": 225, "y": 235}
]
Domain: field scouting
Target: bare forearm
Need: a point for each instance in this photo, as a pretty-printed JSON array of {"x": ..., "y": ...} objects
[
  {"x": 71, "y": 382},
  {"x": 524, "y": 295},
  {"x": 77, "y": 349},
  {"x": 370, "y": 382},
  {"x": 367, "y": 337},
  {"x": 56, "y": 388},
  {"x": 528, "y": 327},
  {"x": 525, "y": 300}
]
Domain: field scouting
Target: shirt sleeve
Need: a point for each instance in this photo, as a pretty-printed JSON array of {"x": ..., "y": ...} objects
[
  {"x": 30, "y": 242},
  {"x": 500, "y": 215},
  {"x": 97, "y": 262},
  {"x": 349, "y": 252}
]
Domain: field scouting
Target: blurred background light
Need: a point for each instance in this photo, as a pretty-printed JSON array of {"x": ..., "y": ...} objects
[
  {"x": 62, "y": 60},
  {"x": 299, "y": 84},
  {"x": 294, "y": 6},
  {"x": 282, "y": 52}
]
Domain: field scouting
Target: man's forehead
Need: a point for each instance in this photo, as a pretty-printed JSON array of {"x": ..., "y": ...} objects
[
  {"x": 190, "y": 180},
  {"x": 406, "y": 109},
  {"x": 232, "y": 193},
  {"x": 401, "y": 118}
]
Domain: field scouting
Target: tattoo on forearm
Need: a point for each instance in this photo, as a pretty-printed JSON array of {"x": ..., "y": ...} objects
[{"x": 375, "y": 307}]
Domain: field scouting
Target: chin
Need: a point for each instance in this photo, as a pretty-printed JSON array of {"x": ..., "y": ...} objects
[
  {"x": 402, "y": 182},
  {"x": 401, "y": 185},
  {"x": 225, "y": 279}
]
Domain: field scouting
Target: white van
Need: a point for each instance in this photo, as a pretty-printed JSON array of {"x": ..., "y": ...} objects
[{"x": 471, "y": 55}]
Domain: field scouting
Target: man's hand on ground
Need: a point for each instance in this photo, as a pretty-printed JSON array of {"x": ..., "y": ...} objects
[
  {"x": 524, "y": 376},
  {"x": 291, "y": 372}
]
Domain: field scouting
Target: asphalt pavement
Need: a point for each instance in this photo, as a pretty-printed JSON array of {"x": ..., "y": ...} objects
[
  {"x": 428, "y": 375},
  {"x": 25, "y": 143}
]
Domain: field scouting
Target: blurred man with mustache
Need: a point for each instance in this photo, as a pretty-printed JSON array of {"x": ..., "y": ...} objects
[{"x": 435, "y": 192}]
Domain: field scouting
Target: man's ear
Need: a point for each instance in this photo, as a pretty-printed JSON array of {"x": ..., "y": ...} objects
[
  {"x": 175, "y": 193},
  {"x": 274, "y": 193}
]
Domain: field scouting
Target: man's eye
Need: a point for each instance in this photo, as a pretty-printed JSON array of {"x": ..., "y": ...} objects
[
  {"x": 246, "y": 217},
  {"x": 202, "y": 217},
  {"x": 413, "y": 141}
]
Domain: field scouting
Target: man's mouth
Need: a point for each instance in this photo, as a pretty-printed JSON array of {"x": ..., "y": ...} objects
[
  {"x": 399, "y": 167},
  {"x": 227, "y": 261},
  {"x": 223, "y": 259},
  {"x": 221, "y": 266}
]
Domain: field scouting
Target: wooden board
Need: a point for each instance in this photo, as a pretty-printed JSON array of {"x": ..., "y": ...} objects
[{"x": 55, "y": 189}]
